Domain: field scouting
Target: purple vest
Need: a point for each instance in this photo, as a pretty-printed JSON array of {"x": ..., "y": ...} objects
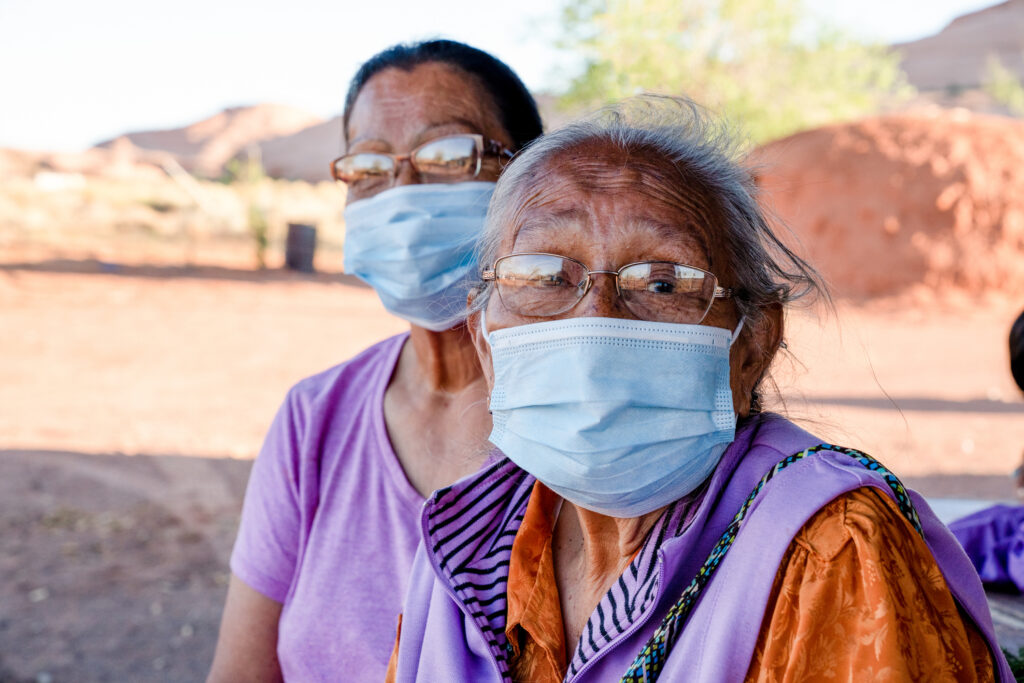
[{"x": 453, "y": 623}]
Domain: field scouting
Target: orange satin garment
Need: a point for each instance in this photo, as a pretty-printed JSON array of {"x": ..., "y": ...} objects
[{"x": 858, "y": 596}]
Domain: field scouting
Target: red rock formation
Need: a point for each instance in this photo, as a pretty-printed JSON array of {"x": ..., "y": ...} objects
[
  {"x": 889, "y": 203},
  {"x": 957, "y": 56},
  {"x": 206, "y": 146}
]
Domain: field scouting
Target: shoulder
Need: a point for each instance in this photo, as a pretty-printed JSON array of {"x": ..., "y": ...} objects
[
  {"x": 339, "y": 403},
  {"x": 865, "y": 517},
  {"x": 362, "y": 375},
  {"x": 860, "y": 583}
]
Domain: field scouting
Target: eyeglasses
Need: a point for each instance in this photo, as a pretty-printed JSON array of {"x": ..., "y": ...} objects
[
  {"x": 544, "y": 285},
  {"x": 449, "y": 159}
]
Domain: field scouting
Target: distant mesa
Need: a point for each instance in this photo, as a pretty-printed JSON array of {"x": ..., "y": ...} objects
[
  {"x": 120, "y": 159},
  {"x": 305, "y": 155},
  {"x": 947, "y": 69},
  {"x": 205, "y": 147},
  {"x": 955, "y": 59},
  {"x": 920, "y": 201}
]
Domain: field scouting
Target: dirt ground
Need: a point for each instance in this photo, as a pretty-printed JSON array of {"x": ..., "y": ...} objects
[{"x": 132, "y": 400}]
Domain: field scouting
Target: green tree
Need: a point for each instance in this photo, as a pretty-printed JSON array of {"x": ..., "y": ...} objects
[
  {"x": 1002, "y": 85},
  {"x": 763, "y": 63}
]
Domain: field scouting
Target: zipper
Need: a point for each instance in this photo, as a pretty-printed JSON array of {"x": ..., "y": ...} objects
[
  {"x": 439, "y": 575},
  {"x": 644, "y": 618}
]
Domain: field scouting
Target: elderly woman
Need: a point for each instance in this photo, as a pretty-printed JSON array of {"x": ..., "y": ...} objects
[
  {"x": 330, "y": 523},
  {"x": 650, "y": 519}
]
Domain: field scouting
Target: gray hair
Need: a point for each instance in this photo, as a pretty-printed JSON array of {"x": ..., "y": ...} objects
[{"x": 705, "y": 152}]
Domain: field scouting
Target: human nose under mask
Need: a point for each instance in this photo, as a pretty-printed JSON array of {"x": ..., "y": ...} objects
[
  {"x": 414, "y": 244},
  {"x": 619, "y": 416}
]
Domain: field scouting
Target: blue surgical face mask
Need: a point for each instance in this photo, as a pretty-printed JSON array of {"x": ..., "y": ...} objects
[
  {"x": 621, "y": 417},
  {"x": 414, "y": 244}
]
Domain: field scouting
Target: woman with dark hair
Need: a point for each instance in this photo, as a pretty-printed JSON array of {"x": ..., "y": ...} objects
[{"x": 330, "y": 523}]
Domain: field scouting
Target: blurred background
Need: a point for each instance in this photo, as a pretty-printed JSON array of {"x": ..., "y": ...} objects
[{"x": 153, "y": 156}]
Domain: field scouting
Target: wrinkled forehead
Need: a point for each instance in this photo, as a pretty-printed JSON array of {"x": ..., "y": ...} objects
[
  {"x": 396, "y": 105},
  {"x": 608, "y": 174}
]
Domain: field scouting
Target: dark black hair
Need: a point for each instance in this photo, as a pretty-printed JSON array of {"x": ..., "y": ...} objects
[
  {"x": 516, "y": 106},
  {"x": 1017, "y": 351}
]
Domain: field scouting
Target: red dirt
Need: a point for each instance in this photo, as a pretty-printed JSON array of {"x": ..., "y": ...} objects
[
  {"x": 131, "y": 400},
  {"x": 133, "y": 397},
  {"x": 928, "y": 202}
]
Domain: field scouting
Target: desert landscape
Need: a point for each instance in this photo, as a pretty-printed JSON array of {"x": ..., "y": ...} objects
[
  {"x": 140, "y": 371},
  {"x": 134, "y": 399},
  {"x": 149, "y": 332}
]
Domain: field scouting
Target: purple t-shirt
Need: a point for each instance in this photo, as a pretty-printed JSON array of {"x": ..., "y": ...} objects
[{"x": 330, "y": 523}]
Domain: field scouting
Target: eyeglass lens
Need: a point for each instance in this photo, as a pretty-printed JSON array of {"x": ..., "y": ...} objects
[
  {"x": 454, "y": 157},
  {"x": 540, "y": 285}
]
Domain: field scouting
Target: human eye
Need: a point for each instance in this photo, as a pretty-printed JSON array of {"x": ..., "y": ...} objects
[
  {"x": 653, "y": 278},
  {"x": 552, "y": 279},
  {"x": 661, "y": 286},
  {"x": 365, "y": 170},
  {"x": 454, "y": 155},
  {"x": 539, "y": 279},
  {"x": 539, "y": 284}
]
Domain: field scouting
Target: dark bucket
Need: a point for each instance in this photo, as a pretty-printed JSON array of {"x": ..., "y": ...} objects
[{"x": 300, "y": 247}]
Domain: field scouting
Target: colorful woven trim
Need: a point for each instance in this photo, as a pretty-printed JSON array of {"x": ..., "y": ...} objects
[{"x": 648, "y": 664}]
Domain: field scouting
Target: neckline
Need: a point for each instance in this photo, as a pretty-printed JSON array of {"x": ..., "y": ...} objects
[{"x": 391, "y": 462}]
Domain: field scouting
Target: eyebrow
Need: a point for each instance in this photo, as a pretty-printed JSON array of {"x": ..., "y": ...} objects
[
  {"x": 549, "y": 220},
  {"x": 423, "y": 134},
  {"x": 466, "y": 123},
  {"x": 670, "y": 231},
  {"x": 685, "y": 231}
]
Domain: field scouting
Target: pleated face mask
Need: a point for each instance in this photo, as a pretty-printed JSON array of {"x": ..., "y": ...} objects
[
  {"x": 618, "y": 416},
  {"x": 414, "y": 244}
]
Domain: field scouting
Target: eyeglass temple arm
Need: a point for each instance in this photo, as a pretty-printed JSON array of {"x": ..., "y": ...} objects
[
  {"x": 495, "y": 147},
  {"x": 722, "y": 292}
]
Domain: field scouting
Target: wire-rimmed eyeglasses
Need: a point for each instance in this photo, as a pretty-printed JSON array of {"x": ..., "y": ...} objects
[
  {"x": 543, "y": 285},
  {"x": 452, "y": 158}
]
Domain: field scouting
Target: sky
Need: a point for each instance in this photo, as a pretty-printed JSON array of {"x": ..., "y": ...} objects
[{"x": 74, "y": 73}]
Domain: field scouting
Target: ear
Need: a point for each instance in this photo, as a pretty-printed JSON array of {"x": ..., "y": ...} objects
[
  {"x": 483, "y": 349},
  {"x": 752, "y": 355}
]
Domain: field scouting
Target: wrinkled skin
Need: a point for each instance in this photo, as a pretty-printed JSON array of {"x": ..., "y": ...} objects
[
  {"x": 605, "y": 208},
  {"x": 435, "y": 404},
  {"x": 397, "y": 111}
]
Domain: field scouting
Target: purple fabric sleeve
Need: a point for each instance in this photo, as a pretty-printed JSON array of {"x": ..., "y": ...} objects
[
  {"x": 991, "y": 538},
  {"x": 329, "y": 524},
  {"x": 267, "y": 546}
]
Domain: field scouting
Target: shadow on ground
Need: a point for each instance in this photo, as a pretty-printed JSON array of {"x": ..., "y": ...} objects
[
  {"x": 198, "y": 272},
  {"x": 994, "y": 487},
  {"x": 114, "y": 566},
  {"x": 918, "y": 404}
]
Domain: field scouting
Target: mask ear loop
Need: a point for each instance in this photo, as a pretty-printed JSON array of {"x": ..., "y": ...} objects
[
  {"x": 487, "y": 338},
  {"x": 483, "y": 325},
  {"x": 736, "y": 332}
]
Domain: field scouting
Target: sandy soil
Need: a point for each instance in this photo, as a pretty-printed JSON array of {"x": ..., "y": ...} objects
[{"x": 132, "y": 400}]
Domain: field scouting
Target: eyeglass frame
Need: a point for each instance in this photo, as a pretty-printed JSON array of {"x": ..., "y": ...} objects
[
  {"x": 484, "y": 146},
  {"x": 719, "y": 292}
]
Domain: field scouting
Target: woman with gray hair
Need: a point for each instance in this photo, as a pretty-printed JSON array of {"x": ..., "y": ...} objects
[{"x": 650, "y": 519}]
